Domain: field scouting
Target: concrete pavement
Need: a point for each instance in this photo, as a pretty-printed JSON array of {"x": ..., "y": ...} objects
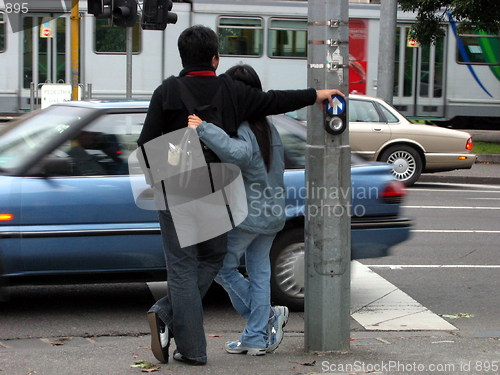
[{"x": 419, "y": 352}]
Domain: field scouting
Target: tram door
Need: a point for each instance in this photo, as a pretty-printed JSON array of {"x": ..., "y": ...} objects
[
  {"x": 46, "y": 50},
  {"x": 419, "y": 77}
]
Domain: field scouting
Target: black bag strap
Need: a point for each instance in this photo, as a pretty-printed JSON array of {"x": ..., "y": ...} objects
[
  {"x": 191, "y": 103},
  {"x": 186, "y": 97}
]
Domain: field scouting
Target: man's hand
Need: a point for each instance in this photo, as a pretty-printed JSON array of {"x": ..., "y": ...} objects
[
  {"x": 194, "y": 121},
  {"x": 322, "y": 95}
]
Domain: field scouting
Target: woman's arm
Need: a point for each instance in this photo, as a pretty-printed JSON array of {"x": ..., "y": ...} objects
[{"x": 237, "y": 151}]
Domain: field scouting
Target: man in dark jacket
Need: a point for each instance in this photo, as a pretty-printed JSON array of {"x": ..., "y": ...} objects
[{"x": 191, "y": 270}]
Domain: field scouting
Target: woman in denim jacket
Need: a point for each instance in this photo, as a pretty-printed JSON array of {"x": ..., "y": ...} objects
[{"x": 258, "y": 151}]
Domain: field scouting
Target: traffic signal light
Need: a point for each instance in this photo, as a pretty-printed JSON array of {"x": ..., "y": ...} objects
[
  {"x": 156, "y": 14},
  {"x": 124, "y": 12},
  {"x": 100, "y": 8}
]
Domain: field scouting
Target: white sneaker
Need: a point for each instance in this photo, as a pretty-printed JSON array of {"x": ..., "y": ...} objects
[
  {"x": 275, "y": 327},
  {"x": 235, "y": 347}
]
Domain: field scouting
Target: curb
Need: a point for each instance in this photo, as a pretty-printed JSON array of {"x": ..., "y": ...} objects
[{"x": 488, "y": 158}]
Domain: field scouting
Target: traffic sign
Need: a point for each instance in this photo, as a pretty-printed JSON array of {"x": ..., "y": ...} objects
[
  {"x": 338, "y": 106},
  {"x": 52, "y": 93},
  {"x": 46, "y": 28}
]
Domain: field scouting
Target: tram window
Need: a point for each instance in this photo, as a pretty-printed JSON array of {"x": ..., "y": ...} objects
[
  {"x": 2, "y": 32},
  {"x": 112, "y": 39},
  {"x": 240, "y": 36},
  {"x": 479, "y": 49},
  {"x": 287, "y": 38}
]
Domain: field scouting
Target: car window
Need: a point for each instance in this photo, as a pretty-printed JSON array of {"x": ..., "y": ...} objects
[
  {"x": 30, "y": 135},
  {"x": 363, "y": 111},
  {"x": 102, "y": 147},
  {"x": 390, "y": 117}
]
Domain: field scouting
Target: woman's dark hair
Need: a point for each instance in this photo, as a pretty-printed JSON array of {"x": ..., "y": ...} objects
[
  {"x": 260, "y": 127},
  {"x": 197, "y": 45}
]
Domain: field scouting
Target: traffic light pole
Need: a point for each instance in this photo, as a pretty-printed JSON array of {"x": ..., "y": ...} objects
[
  {"x": 129, "y": 63},
  {"x": 328, "y": 160},
  {"x": 75, "y": 40}
]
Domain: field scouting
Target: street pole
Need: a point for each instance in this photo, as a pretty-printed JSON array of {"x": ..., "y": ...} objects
[
  {"x": 386, "y": 55},
  {"x": 328, "y": 178},
  {"x": 75, "y": 36},
  {"x": 129, "y": 63}
]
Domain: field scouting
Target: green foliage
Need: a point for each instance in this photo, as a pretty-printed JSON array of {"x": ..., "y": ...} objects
[
  {"x": 477, "y": 14},
  {"x": 486, "y": 148}
]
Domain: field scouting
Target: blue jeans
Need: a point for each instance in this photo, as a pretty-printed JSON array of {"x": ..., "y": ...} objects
[
  {"x": 250, "y": 297},
  {"x": 190, "y": 272}
]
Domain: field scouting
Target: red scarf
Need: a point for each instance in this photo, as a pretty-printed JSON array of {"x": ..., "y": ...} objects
[{"x": 201, "y": 73}]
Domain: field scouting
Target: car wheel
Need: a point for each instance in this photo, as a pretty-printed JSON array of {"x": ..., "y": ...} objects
[
  {"x": 287, "y": 269},
  {"x": 406, "y": 163}
]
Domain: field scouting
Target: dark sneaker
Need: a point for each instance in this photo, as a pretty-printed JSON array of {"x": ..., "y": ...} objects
[
  {"x": 160, "y": 337},
  {"x": 275, "y": 327},
  {"x": 181, "y": 358},
  {"x": 235, "y": 347}
]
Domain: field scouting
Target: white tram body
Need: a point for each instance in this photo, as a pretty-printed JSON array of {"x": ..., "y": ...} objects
[{"x": 456, "y": 79}]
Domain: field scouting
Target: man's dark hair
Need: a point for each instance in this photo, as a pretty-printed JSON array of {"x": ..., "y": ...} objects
[{"x": 197, "y": 45}]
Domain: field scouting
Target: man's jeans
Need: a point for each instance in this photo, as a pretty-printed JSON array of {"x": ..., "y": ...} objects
[
  {"x": 250, "y": 297},
  {"x": 190, "y": 271}
]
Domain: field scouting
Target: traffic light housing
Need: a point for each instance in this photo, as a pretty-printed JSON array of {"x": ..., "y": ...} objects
[
  {"x": 100, "y": 8},
  {"x": 124, "y": 12},
  {"x": 156, "y": 14}
]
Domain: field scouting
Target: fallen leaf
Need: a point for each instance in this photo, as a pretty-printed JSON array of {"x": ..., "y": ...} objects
[
  {"x": 215, "y": 335},
  {"x": 143, "y": 364},
  {"x": 56, "y": 343},
  {"x": 151, "y": 369},
  {"x": 305, "y": 363}
]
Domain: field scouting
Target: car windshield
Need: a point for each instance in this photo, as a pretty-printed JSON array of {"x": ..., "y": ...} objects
[{"x": 32, "y": 134}]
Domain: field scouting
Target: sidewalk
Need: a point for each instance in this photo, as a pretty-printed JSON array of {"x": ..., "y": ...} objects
[{"x": 415, "y": 352}]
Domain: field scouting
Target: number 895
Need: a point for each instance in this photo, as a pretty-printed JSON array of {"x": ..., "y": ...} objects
[{"x": 16, "y": 7}]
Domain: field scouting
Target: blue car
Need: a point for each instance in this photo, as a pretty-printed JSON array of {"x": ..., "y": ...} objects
[{"x": 67, "y": 212}]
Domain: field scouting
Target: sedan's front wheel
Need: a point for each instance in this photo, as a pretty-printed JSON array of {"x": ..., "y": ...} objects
[
  {"x": 406, "y": 163},
  {"x": 287, "y": 269}
]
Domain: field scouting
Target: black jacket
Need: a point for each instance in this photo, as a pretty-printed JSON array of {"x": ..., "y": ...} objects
[{"x": 167, "y": 113}]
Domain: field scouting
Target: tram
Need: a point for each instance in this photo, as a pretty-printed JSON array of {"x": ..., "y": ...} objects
[{"x": 455, "y": 81}]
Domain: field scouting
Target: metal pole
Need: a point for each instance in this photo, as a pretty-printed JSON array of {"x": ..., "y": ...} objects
[
  {"x": 129, "y": 62},
  {"x": 328, "y": 175},
  {"x": 386, "y": 55},
  {"x": 75, "y": 33}
]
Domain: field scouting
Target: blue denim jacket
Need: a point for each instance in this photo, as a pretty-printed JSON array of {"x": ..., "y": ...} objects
[{"x": 265, "y": 190}]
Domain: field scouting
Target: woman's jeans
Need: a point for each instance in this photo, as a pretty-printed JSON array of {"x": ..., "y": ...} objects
[
  {"x": 250, "y": 297},
  {"x": 190, "y": 272}
]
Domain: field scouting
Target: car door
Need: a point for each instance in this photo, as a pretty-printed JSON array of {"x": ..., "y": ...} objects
[
  {"x": 83, "y": 218},
  {"x": 368, "y": 130}
]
